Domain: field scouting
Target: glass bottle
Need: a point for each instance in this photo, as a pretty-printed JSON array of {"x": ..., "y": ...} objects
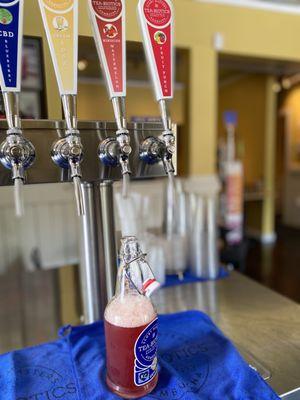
[{"x": 131, "y": 326}]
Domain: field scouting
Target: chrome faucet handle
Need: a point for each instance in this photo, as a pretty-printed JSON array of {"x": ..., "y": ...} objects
[
  {"x": 115, "y": 151},
  {"x": 75, "y": 158},
  {"x": 169, "y": 139},
  {"x": 17, "y": 154},
  {"x": 67, "y": 153},
  {"x": 153, "y": 150},
  {"x": 124, "y": 150},
  {"x": 170, "y": 149}
]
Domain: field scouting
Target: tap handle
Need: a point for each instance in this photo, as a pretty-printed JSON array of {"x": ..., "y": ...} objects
[
  {"x": 78, "y": 195},
  {"x": 157, "y": 25},
  {"x": 63, "y": 48},
  {"x": 11, "y": 46},
  {"x": 19, "y": 197},
  {"x": 108, "y": 23}
]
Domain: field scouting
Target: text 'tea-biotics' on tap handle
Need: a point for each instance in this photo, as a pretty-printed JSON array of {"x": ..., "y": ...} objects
[
  {"x": 156, "y": 19},
  {"x": 108, "y": 22}
]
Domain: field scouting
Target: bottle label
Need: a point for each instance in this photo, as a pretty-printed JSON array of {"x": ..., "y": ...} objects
[{"x": 145, "y": 351}]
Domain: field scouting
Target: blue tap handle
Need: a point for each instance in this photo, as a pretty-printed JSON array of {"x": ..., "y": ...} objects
[{"x": 11, "y": 37}]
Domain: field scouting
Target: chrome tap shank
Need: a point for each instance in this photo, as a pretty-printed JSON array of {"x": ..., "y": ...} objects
[
  {"x": 114, "y": 152},
  {"x": 68, "y": 152},
  {"x": 16, "y": 152},
  {"x": 153, "y": 149}
]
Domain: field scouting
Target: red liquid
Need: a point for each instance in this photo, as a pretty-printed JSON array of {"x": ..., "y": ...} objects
[{"x": 120, "y": 358}]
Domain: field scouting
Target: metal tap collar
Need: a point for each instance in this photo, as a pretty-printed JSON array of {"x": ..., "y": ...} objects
[
  {"x": 72, "y": 132},
  {"x": 14, "y": 132},
  {"x": 124, "y": 142},
  {"x": 169, "y": 140},
  {"x": 123, "y": 131}
]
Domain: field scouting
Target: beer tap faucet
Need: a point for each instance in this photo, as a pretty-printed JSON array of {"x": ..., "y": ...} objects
[
  {"x": 122, "y": 133},
  {"x": 108, "y": 21},
  {"x": 156, "y": 21},
  {"x": 16, "y": 153},
  {"x": 67, "y": 152},
  {"x": 115, "y": 151},
  {"x": 61, "y": 26}
]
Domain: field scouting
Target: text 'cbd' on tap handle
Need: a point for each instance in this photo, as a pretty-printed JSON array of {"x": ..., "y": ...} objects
[
  {"x": 16, "y": 152},
  {"x": 60, "y": 20}
]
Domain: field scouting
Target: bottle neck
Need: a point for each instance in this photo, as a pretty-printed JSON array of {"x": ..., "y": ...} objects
[
  {"x": 130, "y": 250},
  {"x": 135, "y": 277}
]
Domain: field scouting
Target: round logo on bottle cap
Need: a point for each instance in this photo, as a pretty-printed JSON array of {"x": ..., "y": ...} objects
[
  {"x": 107, "y": 9},
  {"x": 157, "y": 12},
  {"x": 59, "y": 5},
  {"x": 5, "y": 16}
]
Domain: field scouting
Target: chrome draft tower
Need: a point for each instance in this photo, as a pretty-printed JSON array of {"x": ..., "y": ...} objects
[
  {"x": 61, "y": 26},
  {"x": 108, "y": 22},
  {"x": 16, "y": 152},
  {"x": 157, "y": 22}
]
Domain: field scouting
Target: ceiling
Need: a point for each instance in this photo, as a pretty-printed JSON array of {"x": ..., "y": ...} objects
[{"x": 283, "y": 2}]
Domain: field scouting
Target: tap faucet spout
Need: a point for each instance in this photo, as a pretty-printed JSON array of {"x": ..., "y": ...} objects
[{"x": 16, "y": 153}]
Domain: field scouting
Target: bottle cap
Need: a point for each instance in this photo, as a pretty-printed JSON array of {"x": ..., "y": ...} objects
[{"x": 150, "y": 286}]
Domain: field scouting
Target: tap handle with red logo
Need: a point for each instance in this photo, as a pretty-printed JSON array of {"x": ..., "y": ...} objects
[
  {"x": 157, "y": 23},
  {"x": 108, "y": 21}
]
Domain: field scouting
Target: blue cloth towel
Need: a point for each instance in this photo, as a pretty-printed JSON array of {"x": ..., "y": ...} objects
[
  {"x": 196, "y": 362},
  {"x": 188, "y": 277}
]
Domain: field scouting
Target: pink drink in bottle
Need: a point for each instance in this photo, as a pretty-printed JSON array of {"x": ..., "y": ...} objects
[{"x": 131, "y": 327}]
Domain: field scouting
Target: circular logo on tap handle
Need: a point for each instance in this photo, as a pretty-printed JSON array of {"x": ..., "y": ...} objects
[
  {"x": 110, "y": 31},
  {"x": 60, "y": 23},
  {"x": 5, "y": 16},
  {"x": 157, "y": 12},
  {"x": 107, "y": 9}
]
